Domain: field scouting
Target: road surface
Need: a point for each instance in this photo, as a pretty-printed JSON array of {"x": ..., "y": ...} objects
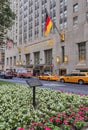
[{"x": 56, "y": 85}]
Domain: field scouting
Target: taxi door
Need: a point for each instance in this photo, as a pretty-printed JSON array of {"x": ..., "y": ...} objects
[
  {"x": 67, "y": 78},
  {"x": 74, "y": 78}
]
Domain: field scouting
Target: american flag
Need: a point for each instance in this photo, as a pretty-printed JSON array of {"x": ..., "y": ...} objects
[{"x": 9, "y": 44}]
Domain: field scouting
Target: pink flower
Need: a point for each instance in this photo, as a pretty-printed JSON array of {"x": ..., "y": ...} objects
[
  {"x": 63, "y": 114},
  {"x": 20, "y": 129},
  {"x": 34, "y": 124},
  {"x": 69, "y": 92},
  {"x": 58, "y": 115},
  {"x": 65, "y": 122},
  {"x": 57, "y": 120},
  {"x": 47, "y": 128},
  {"x": 51, "y": 118},
  {"x": 80, "y": 118}
]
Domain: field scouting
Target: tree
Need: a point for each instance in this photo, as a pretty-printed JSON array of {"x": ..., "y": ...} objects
[{"x": 7, "y": 18}]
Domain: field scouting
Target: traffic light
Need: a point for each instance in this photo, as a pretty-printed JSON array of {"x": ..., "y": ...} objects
[{"x": 62, "y": 36}]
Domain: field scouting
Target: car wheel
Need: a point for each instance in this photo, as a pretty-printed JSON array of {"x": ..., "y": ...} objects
[
  {"x": 21, "y": 76},
  {"x": 80, "y": 82},
  {"x": 62, "y": 80},
  {"x": 48, "y": 79}
]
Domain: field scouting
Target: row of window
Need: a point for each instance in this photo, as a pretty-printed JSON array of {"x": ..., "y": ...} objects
[
  {"x": 63, "y": 16},
  {"x": 48, "y": 55},
  {"x": 81, "y": 52},
  {"x": 48, "y": 58},
  {"x": 75, "y": 22}
]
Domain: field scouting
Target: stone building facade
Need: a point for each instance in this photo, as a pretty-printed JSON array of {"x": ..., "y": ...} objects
[{"x": 34, "y": 51}]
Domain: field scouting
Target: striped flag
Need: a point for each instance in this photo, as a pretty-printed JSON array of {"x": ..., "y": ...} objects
[
  {"x": 9, "y": 44},
  {"x": 48, "y": 24}
]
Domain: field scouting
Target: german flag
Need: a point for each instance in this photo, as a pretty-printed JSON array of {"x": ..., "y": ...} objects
[{"x": 48, "y": 24}]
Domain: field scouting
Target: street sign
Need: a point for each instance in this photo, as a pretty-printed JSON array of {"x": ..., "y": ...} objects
[
  {"x": 52, "y": 65},
  {"x": 34, "y": 82}
]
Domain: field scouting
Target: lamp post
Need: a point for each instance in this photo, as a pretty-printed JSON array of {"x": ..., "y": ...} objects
[
  {"x": 57, "y": 59},
  {"x": 19, "y": 63},
  {"x": 66, "y": 58}
]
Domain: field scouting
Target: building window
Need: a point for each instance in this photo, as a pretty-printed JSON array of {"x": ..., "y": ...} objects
[
  {"x": 44, "y": 2},
  {"x": 63, "y": 14},
  {"x": 63, "y": 53},
  {"x": 19, "y": 57},
  {"x": 36, "y": 57},
  {"x": 48, "y": 57},
  {"x": 27, "y": 57},
  {"x": 14, "y": 60},
  {"x": 65, "y": 2},
  {"x": 11, "y": 61},
  {"x": 36, "y": 32},
  {"x": 2, "y": 57},
  {"x": 86, "y": 2},
  {"x": 75, "y": 8},
  {"x": 61, "y": 26},
  {"x": 75, "y": 20},
  {"x": 87, "y": 16},
  {"x": 7, "y": 61},
  {"x": 30, "y": 34},
  {"x": 82, "y": 51},
  {"x": 65, "y": 24}
]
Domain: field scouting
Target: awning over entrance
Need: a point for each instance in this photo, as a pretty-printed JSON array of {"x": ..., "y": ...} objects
[
  {"x": 82, "y": 67},
  {"x": 29, "y": 66},
  {"x": 38, "y": 66}
]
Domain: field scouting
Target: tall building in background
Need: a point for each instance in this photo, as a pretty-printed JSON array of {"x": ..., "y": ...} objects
[{"x": 39, "y": 53}]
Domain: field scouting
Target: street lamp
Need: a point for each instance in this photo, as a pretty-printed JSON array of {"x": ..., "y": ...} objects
[
  {"x": 66, "y": 58},
  {"x": 19, "y": 63},
  {"x": 58, "y": 59}
]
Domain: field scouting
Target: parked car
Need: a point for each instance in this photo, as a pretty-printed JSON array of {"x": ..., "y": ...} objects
[
  {"x": 6, "y": 75},
  {"x": 47, "y": 76},
  {"x": 12, "y": 72},
  {"x": 77, "y": 77},
  {"x": 24, "y": 74}
]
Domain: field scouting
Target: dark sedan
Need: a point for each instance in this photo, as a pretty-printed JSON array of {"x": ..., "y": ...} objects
[{"x": 6, "y": 75}]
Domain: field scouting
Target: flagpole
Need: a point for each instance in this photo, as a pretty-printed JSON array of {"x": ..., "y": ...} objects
[
  {"x": 56, "y": 27},
  {"x": 53, "y": 22},
  {"x": 59, "y": 32}
]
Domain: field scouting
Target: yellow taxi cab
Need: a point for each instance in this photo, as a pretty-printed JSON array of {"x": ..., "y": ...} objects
[
  {"x": 48, "y": 77},
  {"x": 76, "y": 77}
]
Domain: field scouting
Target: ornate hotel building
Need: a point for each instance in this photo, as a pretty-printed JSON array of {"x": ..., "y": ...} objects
[{"x": 38, "y": 53}]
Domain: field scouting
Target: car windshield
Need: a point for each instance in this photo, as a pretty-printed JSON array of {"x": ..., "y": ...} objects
[
  {"x": 46, "y": 74},
  {"x": 2, "y": 72},
  {"x": 8, "y": 72},
  {"x": 67, "y": 74}
]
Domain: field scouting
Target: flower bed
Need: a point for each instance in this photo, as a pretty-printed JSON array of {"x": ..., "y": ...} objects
[{"x": 54, "y": 110}]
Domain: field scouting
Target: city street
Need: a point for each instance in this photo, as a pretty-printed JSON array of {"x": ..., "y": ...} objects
[{"x": 56, "y": 85}]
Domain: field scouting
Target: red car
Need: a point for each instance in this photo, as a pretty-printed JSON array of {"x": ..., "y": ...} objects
[{"x": 24, "y": 74}]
